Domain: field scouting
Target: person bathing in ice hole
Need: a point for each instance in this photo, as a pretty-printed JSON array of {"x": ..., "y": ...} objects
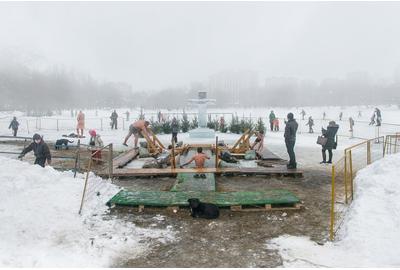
[
  {"x": 258, "y": 143},
  {"x": 199, "y": 159}
]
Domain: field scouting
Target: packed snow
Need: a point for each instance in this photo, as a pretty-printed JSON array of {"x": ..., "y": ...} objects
[
  {"x": 40, "y": 225},
  {"x": 370, "y": 234}
]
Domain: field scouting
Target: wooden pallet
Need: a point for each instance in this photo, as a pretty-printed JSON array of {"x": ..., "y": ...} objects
[
  {"x": 237, "y": 208},
  {"x": 280, "y": 171},
  {"x": 265, "y": 207}
]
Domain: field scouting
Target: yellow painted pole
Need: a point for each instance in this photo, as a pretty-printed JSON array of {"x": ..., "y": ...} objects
[
  {"x": 331, "y": 236},
  {"x": 351, "y": 173},
  {"x": 345, "y": 177}
]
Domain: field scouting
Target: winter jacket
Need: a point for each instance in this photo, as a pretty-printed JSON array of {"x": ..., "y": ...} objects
[
  {"x": 271, "y": 117},
  {"x": 290, "y": 130},
  {"x": 14, "y": 124},
  {"x": 40, "y": 150},
  {"x": 96, "y": 141},
  {"x": 330, "y": 133},
  {"x": 114, "y": 116},
  {"x": 175, "y": 126}
]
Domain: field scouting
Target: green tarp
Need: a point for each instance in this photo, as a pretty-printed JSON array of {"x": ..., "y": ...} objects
[
  {"x": 163, "y": 198},
  {"x": 187, "y": 182}
]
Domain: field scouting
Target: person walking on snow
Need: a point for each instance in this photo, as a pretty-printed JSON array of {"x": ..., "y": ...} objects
[
  {"x": 378, "y": 117},
  {"x": 290, "y": 140},
  {"x": 114, "y": 119},
  {"x": 40, "y": 150},
  {"x": 310, "y": 124},
  {"x": 81, "y": 123},
  {"x": 127, "y": 115},
  {"x": 303, "y": 113},
  {"x": 175, "y": 129},
  {"x": 329, "y": 133},
  {"x": 351, "y": 122},
  {"x": 271, "y": 120},
  {"x": 14, "y": 126}
]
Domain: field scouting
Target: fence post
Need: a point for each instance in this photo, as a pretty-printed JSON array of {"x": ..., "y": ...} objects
[
  {"x": 27, "y": 126},
  {"x": 110, "y": 162},
  {"x": 84, "y": 188},
  {"x": 216, "y": 152},
  {"x": 368, "y": 152},
  {"x": 351, "y": 173},
  {"x": 101, "y": 124},
  {"x": 173, "y": 153},
  {"x": 77, "y": 158},
  {"x": 123, "y": 123},
  {"x": 332, "y": 204},
  {"x": 345, "y": 177},
  {"x": 57, "y": 124}
]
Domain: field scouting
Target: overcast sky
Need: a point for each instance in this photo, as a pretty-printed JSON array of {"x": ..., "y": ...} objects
[{"x": 160, "y": 44}]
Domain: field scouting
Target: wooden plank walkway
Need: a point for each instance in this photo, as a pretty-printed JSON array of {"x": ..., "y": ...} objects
[
  {"x": 123, "y": 159},
  {"x": 281, "y": 170}
]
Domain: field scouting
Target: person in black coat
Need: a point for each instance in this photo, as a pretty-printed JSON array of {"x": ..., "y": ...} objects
[
  {"x": 290, "y": 140},
  {"x": 40, "y": 150},
  {"x": 175, "y": 129},
  {"x": 14, "y": 125},
  {"x": 114, "y": 119},
  {"x": 329, "y": 133}
]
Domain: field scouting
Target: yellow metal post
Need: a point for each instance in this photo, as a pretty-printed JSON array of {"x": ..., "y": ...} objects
[
  {"x": 331, "y": 236},
  {"x": 345, "y": 177},
  {"x": 351, "y": 174}
]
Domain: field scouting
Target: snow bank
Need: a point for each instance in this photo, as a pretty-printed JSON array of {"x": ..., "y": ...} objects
[
  {"x": 40, "y": 225},
  {"x": 370, "y": 236}
]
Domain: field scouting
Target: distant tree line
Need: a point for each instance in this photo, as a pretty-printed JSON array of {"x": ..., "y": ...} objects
[
  {"x": 34, "y": 90},
  {"x": 31, "y": 90}
]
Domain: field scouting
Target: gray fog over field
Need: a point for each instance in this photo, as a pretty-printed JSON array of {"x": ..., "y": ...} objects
[{"x": 334, "y": 51}]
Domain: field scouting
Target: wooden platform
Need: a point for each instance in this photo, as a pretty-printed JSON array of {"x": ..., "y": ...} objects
[
  {"x": 123, "y": 159},
  {"x": 278, "y": 170}
]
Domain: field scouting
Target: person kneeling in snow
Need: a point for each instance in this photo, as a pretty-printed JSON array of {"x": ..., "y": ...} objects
[
  {"x": 40, "y": 150},
  {"x": 95, "y": 144}
]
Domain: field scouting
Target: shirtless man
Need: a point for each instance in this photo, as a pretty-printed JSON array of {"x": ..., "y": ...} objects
[
  {"x": 135, "y": 129},
  {"x": 199, "y": 159}
]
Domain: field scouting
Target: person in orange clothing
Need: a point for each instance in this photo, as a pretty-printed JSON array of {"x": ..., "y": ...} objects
[
  {"x": 136, "y": 128},
  {"x": 81, "y": 123}
]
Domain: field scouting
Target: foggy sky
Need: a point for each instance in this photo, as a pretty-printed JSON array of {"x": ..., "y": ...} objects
[{"x": 161, "y": 44}]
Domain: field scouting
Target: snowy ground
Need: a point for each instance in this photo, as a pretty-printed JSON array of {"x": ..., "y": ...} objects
[
  {"x": 35, "y": 232},
  {"x": 40, "y": 225},
  {"x": 369, "y": 237},
  {"x": 274, "y": 140}
]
